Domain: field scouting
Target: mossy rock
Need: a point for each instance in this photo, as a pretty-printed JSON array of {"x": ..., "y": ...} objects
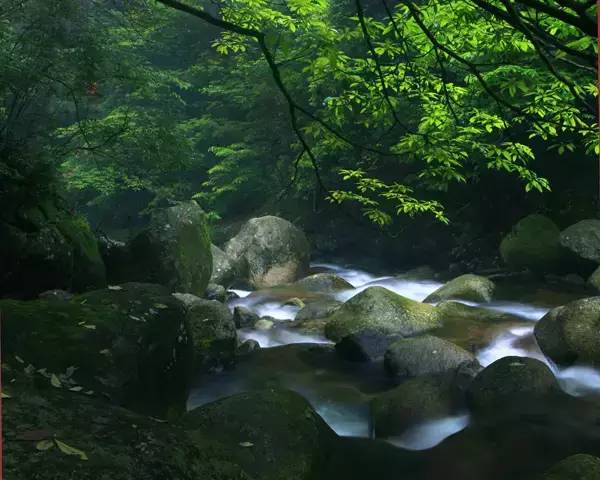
[
  {"x": 174, "y": 250},
  {"x": 88, "y": 268},
  {"x": 380, "y": 310},
  {"x": 575, "y": 467},
  {"x": 327, "y": 283},
  {"x": 272, "y": 434},
  {"x": 414, "y": 401},
  {"x": 425, "y": 355},
  {"x": 533, "y": 244},
  {"x": 270, "y": 250},
  {"x": 509, "y": 382},
  {"x": 583, "y": 239},
  {"x": 594, "y": 280},
  {"x": 213, "y": 332},
  {"x": 131, "y": 344},
  {"x": 466, "y": 287},
  {"x": 47, "y": 248},
  {"x": 118, "y": 444},
  {"x": 570, "y": 334}
]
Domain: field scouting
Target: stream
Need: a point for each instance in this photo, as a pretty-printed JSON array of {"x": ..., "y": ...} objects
[{"x": 340, "y": 391}]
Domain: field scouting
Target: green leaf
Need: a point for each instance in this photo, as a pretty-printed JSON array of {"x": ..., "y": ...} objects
[
  {"x": 55, "y": 382},
  {"x": 44, "y": 445},
  {"x": 68, "y": 450}
]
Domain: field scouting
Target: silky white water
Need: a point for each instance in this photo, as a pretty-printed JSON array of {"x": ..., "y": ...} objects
[{"x": 351, "y": 418}]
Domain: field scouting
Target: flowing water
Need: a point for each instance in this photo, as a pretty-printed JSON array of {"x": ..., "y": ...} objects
[{"x": 340, "y": 391}]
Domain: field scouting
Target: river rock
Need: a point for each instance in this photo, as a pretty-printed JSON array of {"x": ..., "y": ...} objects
[
  {"x": 131, "y": 343},
  {"x": 215, "y": 292},
  {"x": 174, "y": 250},
  {"x": 244, "y": 317},
  {"x": 414, "y": 401},
  {"x": 272, "y": 250},
  {"x": 381, "y": 310},
  {"x": 425, "y": 355},
  {"x": 510, "y": 382},
  {"x": 570, "y": 333},
  {"x": 272, "y": 434},
  {"x": 594, "y": 280},
  {"x": 225, "y": 269},
  {"x": 365, "y": 346},
  {"x": 264, "y": 323},
  {"x": 318, "y": 309},
  {"x": 575, "y": 467},
  {"x": 466, "y": 287},
  {"x": 533, "y": 244},
  {"x": 44, "y": 247},
  {"x": 213, "y": 332},
  {"x": 327, "y": 283},
  {"x": 583, "y": 239}
]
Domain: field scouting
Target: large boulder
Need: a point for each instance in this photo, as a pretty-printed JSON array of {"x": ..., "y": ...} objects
[
  {"x": 583, "y": 239},
  {"x": 414, "y": 401},
  {"x": 327, "y": 283},
  {"x": 225, "y": 270},
  {"x": 130, "y": 343},
  {"x": 272, "y": 434},
  {"x": 575, "y": 467},
  {"x": 174, "y": 250},
  {"x": 383, "y": 311},
  {"x": 570, "y": 333},
  {"x": 533, "y": 244},
  {"x": 510, "y": 383},
  {"x": 272, "y": 251},
  {"x": 45, "y": 247},
  {"x": 213, "y": 332},
  {"x": 52, "y": 433},
  {"x": 425, "y": 355},
  {"x": 466, "y": 287}
]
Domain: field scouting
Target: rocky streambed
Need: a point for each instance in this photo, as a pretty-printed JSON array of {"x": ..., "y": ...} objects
[
  {"x": 297, "y": 355},
  {"x": 305, "y": 371}
]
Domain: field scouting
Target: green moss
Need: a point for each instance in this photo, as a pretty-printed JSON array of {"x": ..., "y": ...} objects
[
  {"x": 88, "y": 267},
  {"x": 131, "y": 345},
  {"x": 174, "y": 250},
  {"x": 383, "y": 311},
  {"x": 533, "y": 244},
  {"x": 119, "y": 444}
]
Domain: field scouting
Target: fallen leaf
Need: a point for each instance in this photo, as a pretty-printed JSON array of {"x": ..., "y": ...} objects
[
  {"x": 77, "y": 388},
  {"x": 45, "y": 445},
  {"x": 161, "y": 306},
  {"x": 55, "y": 382},
  {"x": 246, "y": 444},
  {"x": 5, "y": 395},
  {"x": 115, "y": 287},
  {"x": 70, "y": 371},
  {"x": 19, "y": 359},
  {"x": 69, "y": 450},
  {"x": 91, "y": 327}
]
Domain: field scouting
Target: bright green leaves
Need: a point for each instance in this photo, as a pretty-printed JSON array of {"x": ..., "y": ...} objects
[{"x": 377, "y": 199}]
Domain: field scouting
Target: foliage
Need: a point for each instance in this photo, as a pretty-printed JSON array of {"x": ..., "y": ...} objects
[{"x": 397, "y": 104}]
